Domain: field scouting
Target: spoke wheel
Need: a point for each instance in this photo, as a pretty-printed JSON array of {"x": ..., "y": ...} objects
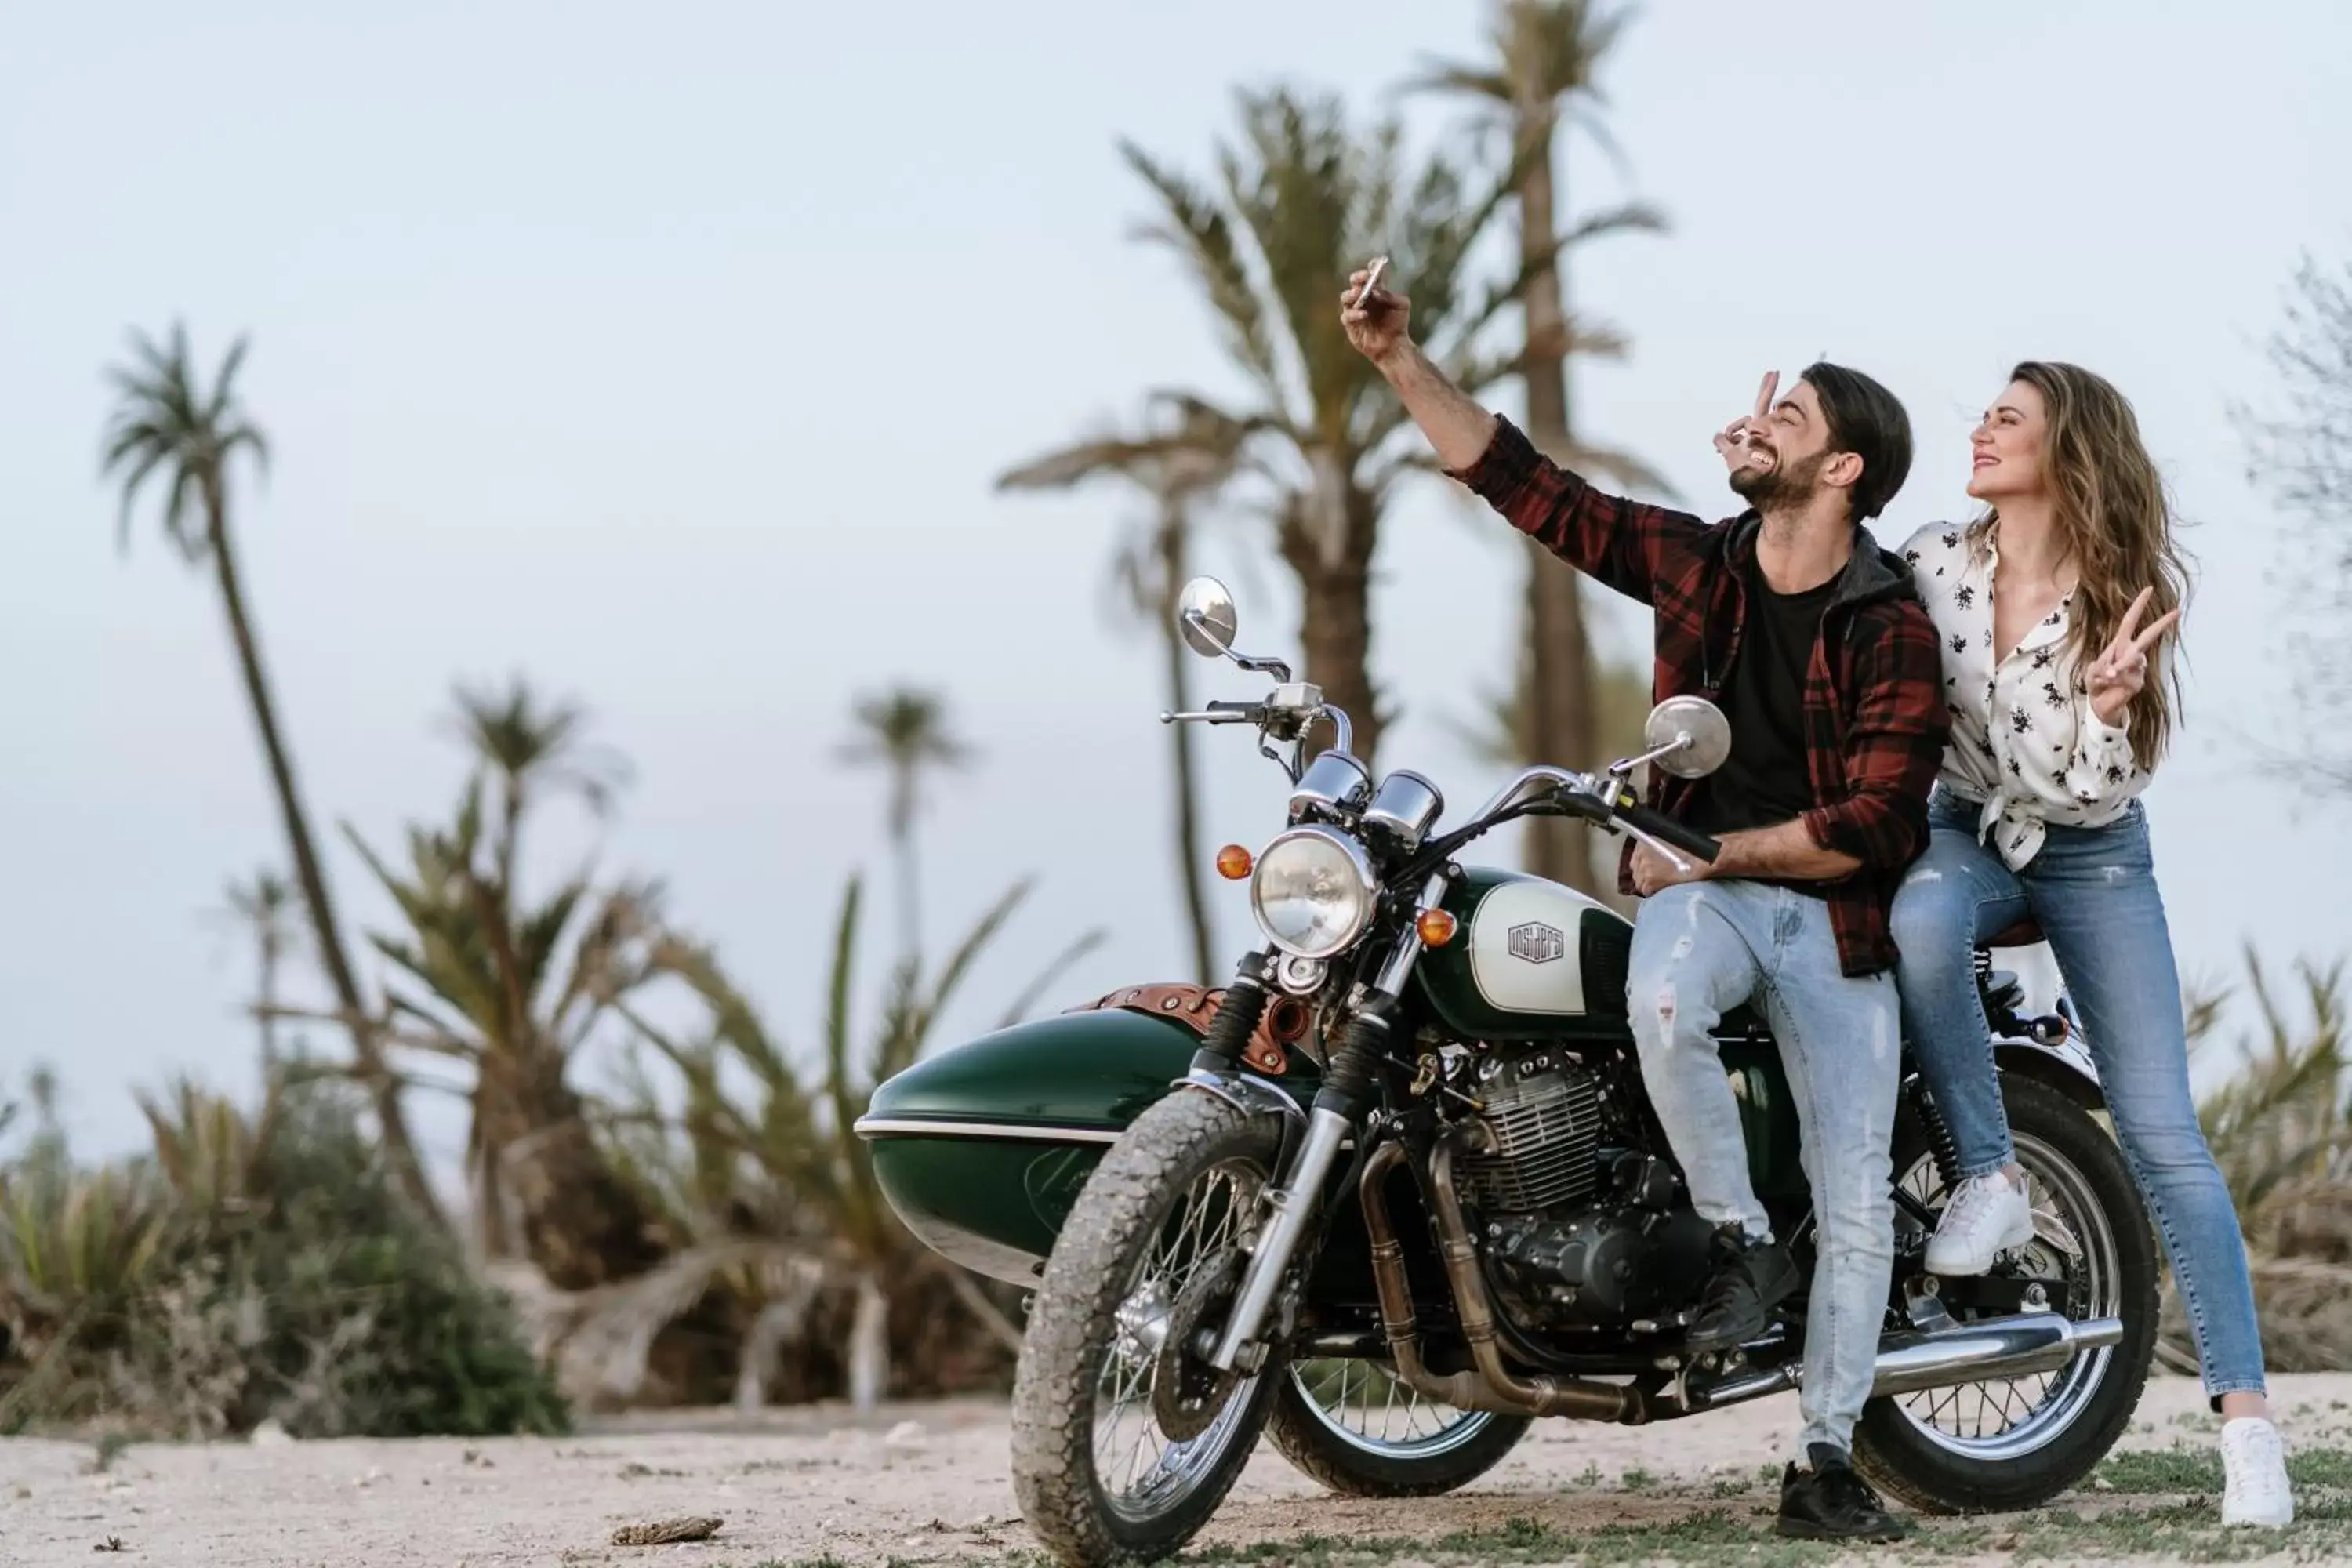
[
  {"x": 1351, "y": 1425},
  {"x": 2015, "y": 1443},
  {"x": 2073, "y": 1267},
  {"x": 1124, "y": 1440},
  {"x": 1159, "y": 1408}
]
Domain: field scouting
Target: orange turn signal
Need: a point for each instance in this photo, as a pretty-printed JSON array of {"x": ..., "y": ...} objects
[
  {"x": 1436, "y": 927},
  {"x": 1233, "y": 862}
]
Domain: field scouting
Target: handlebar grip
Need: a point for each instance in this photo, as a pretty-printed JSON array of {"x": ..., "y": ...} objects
[{"x": 1689, "y": 840}]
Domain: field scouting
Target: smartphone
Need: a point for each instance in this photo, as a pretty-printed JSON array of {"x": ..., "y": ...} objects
[{"x": 1371, "y": 280}]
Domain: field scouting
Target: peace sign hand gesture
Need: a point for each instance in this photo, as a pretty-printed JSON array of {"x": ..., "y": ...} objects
[
  {"x": 2117, "y": 676},
  {"x": 1738, "y": 441}
]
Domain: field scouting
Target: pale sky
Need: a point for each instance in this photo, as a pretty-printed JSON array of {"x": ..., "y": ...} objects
[{"x": 668, "y": 356}]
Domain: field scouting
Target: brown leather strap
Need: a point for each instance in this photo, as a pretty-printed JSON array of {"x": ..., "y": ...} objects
[{"x": 1194, "y": 1007}]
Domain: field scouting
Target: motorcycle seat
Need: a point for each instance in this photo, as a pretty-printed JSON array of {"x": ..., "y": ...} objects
[{"x": 2026, "y": 932}]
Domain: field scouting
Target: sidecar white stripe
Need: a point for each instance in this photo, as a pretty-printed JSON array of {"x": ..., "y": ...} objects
[{"x": 867, "y": 1127}]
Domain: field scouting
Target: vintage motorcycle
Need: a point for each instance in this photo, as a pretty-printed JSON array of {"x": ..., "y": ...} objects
[{"x": 1397, "y": 1189}]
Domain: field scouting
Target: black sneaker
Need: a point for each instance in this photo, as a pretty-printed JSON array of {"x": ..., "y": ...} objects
[
  {"x": 1829, "y": 1502},
  {"x": 1750, "y": 1278}
]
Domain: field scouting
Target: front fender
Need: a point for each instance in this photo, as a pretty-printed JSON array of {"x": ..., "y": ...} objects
[
  {"x": 981, "y": 1149},
  {"x": 1247, "y": 1093}
]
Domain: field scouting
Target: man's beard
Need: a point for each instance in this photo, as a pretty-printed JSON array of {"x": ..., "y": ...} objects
[{"x": 1781, "y": 489}]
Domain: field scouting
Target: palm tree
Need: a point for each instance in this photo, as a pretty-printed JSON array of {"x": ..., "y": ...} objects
[
  {"x": 777, "y": 1195},
  {"x": 515, "y": 989},
  {"x": 1180, "y": 460},
  {"x": 263, "y": 904},
  {"x": 515, "y": 992},
  {"x": 165, "y": 424},
  {"x": 1540, "y": 77},
  {"x": 528, "y": 746},
  {"x": 905, "y": 732},
  {"x": 1299, "y": 202}
]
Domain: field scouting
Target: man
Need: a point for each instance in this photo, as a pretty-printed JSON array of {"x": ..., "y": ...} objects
[{"x": 1809, "y": 637}]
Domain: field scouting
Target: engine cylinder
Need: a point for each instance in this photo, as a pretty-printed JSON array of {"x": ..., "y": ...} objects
[{"x": 1542, "y": 1117}]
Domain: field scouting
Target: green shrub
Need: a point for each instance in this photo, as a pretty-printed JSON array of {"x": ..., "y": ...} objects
[{"x": 250, "y": 1271}]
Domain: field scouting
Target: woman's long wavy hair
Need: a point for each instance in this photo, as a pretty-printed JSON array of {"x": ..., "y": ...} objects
[{"x": 2115, "y": 525}]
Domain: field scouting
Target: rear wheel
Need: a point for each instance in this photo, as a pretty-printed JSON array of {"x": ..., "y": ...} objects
[
  {"x": 1352, "y": 1426},
  {"x": 2019, "y": 1442},
  {"x": 1124, "y": 1442}
]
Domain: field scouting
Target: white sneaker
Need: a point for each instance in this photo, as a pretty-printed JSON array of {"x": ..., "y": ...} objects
[
  {"x": 2253, "y": 1462},
  {"x": 1986, "y": 1218}
]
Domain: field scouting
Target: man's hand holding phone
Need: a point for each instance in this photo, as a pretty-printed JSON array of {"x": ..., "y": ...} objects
[{"x": 1375, "y": 319}]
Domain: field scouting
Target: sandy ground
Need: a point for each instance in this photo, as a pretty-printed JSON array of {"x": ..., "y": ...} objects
[{"x": 918, "y": 1483}]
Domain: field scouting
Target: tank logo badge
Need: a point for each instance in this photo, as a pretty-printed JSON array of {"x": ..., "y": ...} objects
[{"x": 1536, "y": 943}]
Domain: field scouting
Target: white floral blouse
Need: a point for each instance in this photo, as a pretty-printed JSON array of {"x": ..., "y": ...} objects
[{"x": 2024, "y": 739}]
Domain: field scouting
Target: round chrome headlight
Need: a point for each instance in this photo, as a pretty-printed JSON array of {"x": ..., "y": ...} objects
[{"x": 1313, "y": 891}]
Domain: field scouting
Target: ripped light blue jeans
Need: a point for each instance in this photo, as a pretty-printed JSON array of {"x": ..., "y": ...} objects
[
  {"x": 2093, "y": 892},
  {"x": 1699, "y": 951}
]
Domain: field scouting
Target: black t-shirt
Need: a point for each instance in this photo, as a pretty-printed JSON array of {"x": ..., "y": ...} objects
[{"x": 1764, "y": 781}]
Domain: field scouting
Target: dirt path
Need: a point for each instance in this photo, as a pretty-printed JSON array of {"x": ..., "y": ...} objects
[{"x": 929, "y": 1483}]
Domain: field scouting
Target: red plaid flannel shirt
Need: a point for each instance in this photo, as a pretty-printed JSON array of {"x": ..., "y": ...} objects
[{"x": 1874, "y": 721}]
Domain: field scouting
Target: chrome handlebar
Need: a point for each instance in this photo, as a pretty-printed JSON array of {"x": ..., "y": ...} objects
[
  {"x": 1236, "y": 715},
  {"x": 1511, "y": 793},
  {"x": 1601, "y": 788},
  {"x": 1290, "y": 710},
  {"x": 1345, "y": 740},
  {"x": 1303, "y": 704}
]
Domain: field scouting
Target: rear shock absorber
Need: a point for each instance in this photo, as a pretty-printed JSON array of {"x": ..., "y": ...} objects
[{"x": 1939, "y": 1134}]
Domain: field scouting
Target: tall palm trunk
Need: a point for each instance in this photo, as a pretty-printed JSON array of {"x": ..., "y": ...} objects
[
  {"x": 399, "y": 1148},
  {"x": 902, "y": 851},
  {"x": 269, "y": 1000},
  {"x": 580, "y": 1224},
  {"x": 1168, "y": 544},
  {"x": 1335, "y": 629},
  {"x": 1555, "y": 709}
]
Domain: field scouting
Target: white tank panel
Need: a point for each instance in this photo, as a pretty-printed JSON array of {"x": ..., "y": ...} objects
[{"x": 1525, "y": 956}]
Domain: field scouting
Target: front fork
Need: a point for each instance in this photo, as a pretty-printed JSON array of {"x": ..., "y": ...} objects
[{"x": 1339, "y": 1109}]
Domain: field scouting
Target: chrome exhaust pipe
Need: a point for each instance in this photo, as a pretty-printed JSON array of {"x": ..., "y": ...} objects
[
  {"x": 1995, "y": 1348},
  {"x": 1982, "y": 1351}
]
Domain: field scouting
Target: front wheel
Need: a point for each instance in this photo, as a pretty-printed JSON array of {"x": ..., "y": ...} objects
[
  {"x": 2017, "y": 1442},
  {"x": 1124, "y": 1442},
  {"x": 1352, "y": 1426}
]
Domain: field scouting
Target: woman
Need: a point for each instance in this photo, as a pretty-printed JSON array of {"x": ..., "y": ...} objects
[{"x": 2052, "y": 608}]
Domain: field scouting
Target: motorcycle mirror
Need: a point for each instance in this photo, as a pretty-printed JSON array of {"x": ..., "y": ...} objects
[
  {"x": 1699, "y": 725},
  {"x": 1206, "y": 615}
]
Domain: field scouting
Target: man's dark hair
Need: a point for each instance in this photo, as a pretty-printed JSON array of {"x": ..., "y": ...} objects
[{"x": 1869, "y": 421}]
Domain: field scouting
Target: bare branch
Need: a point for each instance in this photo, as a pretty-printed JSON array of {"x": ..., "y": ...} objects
[{"x": 2302, "y": 453}]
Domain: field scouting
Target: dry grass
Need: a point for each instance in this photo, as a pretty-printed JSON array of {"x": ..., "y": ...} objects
[{"x": 2281, "y": 1129}]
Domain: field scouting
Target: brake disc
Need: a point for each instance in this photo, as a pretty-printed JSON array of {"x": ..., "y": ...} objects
[{"x": 1187, "y": 1393}]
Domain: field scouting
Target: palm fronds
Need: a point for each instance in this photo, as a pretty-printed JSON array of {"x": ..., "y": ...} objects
[
  {"x": 777, "y": 1172},
  {"x": 514, "y": 989},
  {"x": 2280, "y": 1127},
  {"x": 1299, "y": 198},
  {"x": 166, "y": 423}
]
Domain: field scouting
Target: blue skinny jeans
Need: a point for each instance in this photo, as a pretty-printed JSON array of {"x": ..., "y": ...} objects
[{"x": 2093, "y": 892}]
